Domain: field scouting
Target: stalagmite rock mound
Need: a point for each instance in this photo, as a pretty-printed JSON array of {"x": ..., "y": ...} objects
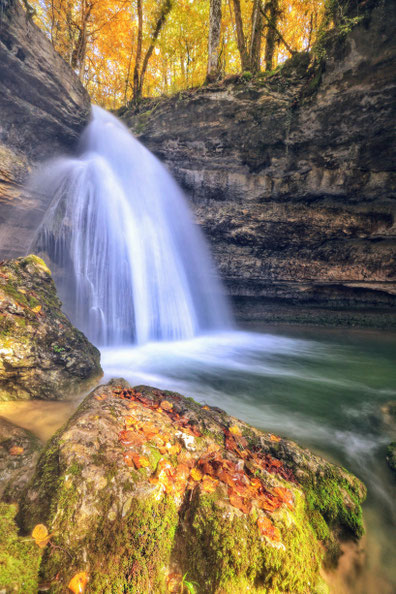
[{"x": 41, "y": 354}]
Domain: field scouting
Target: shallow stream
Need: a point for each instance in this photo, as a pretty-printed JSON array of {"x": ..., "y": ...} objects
[{"x": 323, "y": 388}]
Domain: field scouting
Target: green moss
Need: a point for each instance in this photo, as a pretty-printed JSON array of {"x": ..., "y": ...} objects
[
  {"x": 225, "y": 552},
  {"x": 337, "y": 499},
  {"x": 126, "y": 555},
  {"x": 19, "y": 558}
]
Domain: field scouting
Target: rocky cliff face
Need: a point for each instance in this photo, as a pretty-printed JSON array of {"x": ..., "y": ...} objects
[
  {"x": 292, "y": 178},
  {"x": 43, "y": 108}
]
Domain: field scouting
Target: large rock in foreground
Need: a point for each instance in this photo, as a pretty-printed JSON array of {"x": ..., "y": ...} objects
[
  {"x": 41, "y": 354},
  {"x": 142, "y": 487}
]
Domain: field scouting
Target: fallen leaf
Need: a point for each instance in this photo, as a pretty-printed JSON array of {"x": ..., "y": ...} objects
[
  {"x": 16, "y": 451},
  {"x": 40, "y": 535},
  {"x": 166, "y": 405},
  {"x": 267, "y": 528},
  {"x": 196, "y": 474},
  {"x": 274, "y": 437},
  {"x": 140, "y": 461},
  {"x": 78, "y": 583},
  {"x": 205, "y": 407},
  {"x": 284, "y": 495},
  {"x": 235, "y": 430},
  {"x": 36, "y": 309},
  {"x": 208, "y": 484}
]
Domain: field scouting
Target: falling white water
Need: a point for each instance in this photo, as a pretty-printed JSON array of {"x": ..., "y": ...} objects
[{"x": 130, "y": 263}]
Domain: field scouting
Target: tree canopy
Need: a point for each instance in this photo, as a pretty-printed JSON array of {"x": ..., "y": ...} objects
[{"x": 125, "y": 49}]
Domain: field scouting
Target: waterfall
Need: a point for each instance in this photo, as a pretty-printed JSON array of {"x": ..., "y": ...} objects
[{"x": 129, "y": 262}]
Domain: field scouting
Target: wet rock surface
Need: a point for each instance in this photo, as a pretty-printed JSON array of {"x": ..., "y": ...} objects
[
  {"x": 292, "y": 178},
  {"x": 19, "y": 452},
  {"x": 41, "y": 354},
  {"x": 143, "y": 486},
  {"x": 43, "y": 109}
]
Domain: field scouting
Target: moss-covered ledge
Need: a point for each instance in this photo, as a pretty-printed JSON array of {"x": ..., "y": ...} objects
[
  {"x": 41, "y": 354},
  {"x": 142, "y": 487}
]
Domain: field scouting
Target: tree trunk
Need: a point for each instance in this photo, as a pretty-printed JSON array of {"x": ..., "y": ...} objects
[
  {"x": 165, "y": 9},
  {"x": 272, "y": 12},
  {"x": 136, "y": 81},
  {"x": 256, "y": 34},
  {"x": 245, "y": 62},
  {"x": 213, "y": 70}
]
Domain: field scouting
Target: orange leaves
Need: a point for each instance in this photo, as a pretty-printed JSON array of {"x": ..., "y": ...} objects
[
  {"x": 165, "y": 405},
  {"x": 267, "y": 529},
  {"x": 16, "y": 451},
  {"x": 78, "y": 583},
  {"x": 140, "y": 461},
  {"x": 284, "y": 495},
  {"x": 208, "y": 484},
  {"x": 244, "y": 504},
  {"x": 274, "y": 437},
  {"x": 40, "y": 535}
]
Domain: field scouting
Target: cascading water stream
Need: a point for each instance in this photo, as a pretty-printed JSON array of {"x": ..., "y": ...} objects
[{"x": 130, "y": 264}]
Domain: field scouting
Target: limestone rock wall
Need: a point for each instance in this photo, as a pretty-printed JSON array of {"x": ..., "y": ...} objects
[
  {"x": 43, "y": 109},
  {"x": 292, "y": 178}
]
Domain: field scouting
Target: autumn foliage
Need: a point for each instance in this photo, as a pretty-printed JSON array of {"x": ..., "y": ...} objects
[{"x": 123, "y": 49}]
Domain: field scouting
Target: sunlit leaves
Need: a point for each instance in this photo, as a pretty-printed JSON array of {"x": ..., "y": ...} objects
[
  {"x": 105, "y": 61},
  {"x": 79, "y": 582},
  {"x": 16, "y": 451},
  {"x": 40, "y": 535}
]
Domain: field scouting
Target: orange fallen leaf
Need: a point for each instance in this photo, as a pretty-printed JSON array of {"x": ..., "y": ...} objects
[
  {"x": 208, "y": 484},
  {"x": 205, "y": 407},
  {"x": 274, "y": 437},
  {"x": 16, "y": 451},
  {"x": 173, "y": 449},
  {"x": 284, "y": 495},
  {"x": 78, "y": 583},
  {"x": 140, "y": 461},
  {"x": 267, "y": 528},
  {"x": 166, "y": 405}
]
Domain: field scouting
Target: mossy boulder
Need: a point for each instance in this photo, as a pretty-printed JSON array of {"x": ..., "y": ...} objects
[
  {"x": 41, "y": 354},
  {"x": 19, "y": 452},
  {"x": 143, "y": 486}
]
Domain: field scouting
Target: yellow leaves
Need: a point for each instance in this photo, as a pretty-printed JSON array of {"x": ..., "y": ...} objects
[
  {"x": 165, "y": 405},
  {"x": 235, "y": 430},
  {"x": 36, "y": 309},
  {"x": 78, "y": 583},
  {"x": 196, "y": 474},
  {"x": 16, "y": 450},
  {"x": 208, "y": 484},
  {"x": 140, "y": 461},
  {"x": 40, "y": 535}
]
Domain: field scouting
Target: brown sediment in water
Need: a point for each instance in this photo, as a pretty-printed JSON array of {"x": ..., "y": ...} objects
[
  {"x": 41, "y": 417},
  {"x": 354, "y": 574}
]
